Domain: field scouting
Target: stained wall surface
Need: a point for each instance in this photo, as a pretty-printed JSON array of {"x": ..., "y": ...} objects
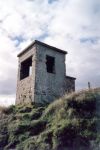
[
  {"x": 25, "y": 87},
  {"x": 42, "y": 86},
  {"x": 49, "y": 86}
]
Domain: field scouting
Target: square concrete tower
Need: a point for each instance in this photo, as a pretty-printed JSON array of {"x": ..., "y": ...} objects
[{"x": 42, "y": 74}]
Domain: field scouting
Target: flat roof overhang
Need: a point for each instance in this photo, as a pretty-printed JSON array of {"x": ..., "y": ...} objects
[{"x": 43, "y": 44}]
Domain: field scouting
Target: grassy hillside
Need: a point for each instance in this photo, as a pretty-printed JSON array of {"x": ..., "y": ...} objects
[{"x": 70, "y": 123}]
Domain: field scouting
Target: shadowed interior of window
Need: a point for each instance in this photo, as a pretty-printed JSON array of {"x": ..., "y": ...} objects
[
  {"x": 26, "y": 68},
  {"x": 50, "y": 64}
]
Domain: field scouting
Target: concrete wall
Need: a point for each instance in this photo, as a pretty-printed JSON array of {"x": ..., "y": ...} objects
[
  {"x": 25, "y": 87},
  {"x": 42, "y": 86},
  {"x": 24, "y": 91},
  {"x": 69, "y": 84},
  {"x": 49, "y": 86}
]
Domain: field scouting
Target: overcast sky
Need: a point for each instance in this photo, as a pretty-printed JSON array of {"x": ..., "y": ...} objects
[{"x": 72, "y": 25}]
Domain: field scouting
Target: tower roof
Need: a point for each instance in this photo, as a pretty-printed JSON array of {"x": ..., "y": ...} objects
[{"x": 43, "y": 44}]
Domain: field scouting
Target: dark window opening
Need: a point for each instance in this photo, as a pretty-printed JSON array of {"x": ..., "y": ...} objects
[
  {"x": 26, "y": 68},
  {"x": 50, "y": 64}
]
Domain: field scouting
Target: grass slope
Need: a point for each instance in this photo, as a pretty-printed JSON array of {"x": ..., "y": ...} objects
[{"x": 70, "y": 123}]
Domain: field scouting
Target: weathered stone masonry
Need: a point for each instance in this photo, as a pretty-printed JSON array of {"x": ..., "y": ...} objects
[{"x": 42, "y": 74}]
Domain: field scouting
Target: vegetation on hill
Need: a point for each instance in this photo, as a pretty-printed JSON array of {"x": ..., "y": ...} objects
[{"x": 70, "y": 123}]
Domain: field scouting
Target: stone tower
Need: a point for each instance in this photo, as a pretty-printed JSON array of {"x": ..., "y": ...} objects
[{"x": 42, "y": 74}]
